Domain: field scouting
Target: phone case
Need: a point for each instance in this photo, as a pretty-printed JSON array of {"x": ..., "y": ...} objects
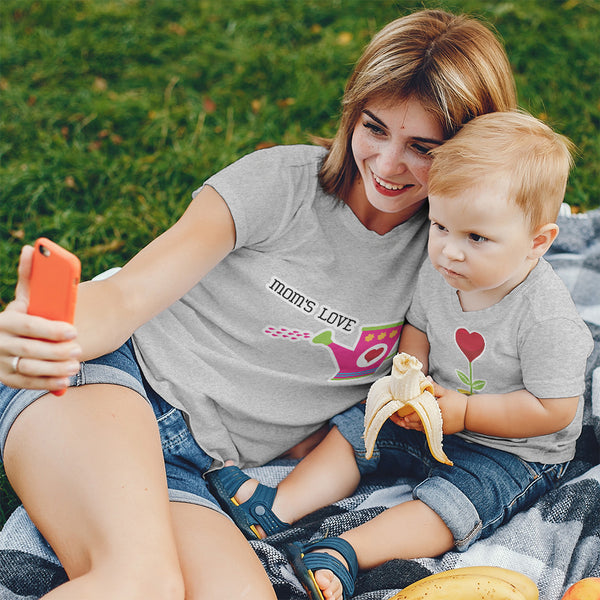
[
  {"x": 53, "y": 282},
  {"x": 55, "y": 274}
]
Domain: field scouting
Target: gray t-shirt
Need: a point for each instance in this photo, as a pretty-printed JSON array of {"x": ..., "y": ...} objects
[
  {"x": 532, "y": 339},
  {"x": 294, "y": 324}
]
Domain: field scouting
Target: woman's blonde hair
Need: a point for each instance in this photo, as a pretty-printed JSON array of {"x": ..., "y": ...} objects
[
  {"x": 509, "y": 149},
  {"x": 453, "y": 65}
]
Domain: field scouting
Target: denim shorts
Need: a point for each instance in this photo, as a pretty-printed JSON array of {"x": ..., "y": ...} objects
[
  {"x": 482, "y": 490},
  {"x": 185, "y": 461}
]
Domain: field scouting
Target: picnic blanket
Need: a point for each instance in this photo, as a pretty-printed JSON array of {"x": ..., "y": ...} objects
[{"x": 556, "y": 542}]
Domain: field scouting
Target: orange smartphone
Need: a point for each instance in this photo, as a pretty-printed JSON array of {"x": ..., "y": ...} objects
[{"x": 55, "y": 274}]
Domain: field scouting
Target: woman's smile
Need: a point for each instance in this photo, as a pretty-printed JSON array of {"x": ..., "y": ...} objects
[
  {"x": 390, "y": 145},
  {"x": 389, "y": 189}
]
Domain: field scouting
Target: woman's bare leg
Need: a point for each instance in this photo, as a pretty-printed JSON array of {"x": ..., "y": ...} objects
[
  {"x": 88, "y": 467},
  {"x": 216, "y": 559}
]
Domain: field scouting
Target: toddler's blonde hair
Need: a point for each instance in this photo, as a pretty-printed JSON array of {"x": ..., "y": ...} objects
[{"x": 506, "y": 148}]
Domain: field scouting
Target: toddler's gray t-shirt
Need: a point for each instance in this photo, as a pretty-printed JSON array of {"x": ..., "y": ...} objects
[{"x": 532, "y": 339}]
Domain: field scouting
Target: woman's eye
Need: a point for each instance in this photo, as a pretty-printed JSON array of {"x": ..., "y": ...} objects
[
  {"x": 373, "y": 127},
  {"x": 420, "y": 149}
]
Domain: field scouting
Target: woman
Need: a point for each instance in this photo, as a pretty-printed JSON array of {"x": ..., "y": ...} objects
[{"x": 269, "y": 307}]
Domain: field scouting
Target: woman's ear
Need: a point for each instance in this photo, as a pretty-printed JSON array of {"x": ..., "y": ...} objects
[{"x": 542, "y": 239}]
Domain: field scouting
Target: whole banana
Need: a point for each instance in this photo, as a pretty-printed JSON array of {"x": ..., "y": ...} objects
[
  {"x": 406, "y": 390},
  {"x": 472, "y": 583}
]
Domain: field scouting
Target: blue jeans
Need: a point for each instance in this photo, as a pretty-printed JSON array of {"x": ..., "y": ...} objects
[
  {"x": 185, "y": 461},
  {"x": 482, "y": 490}
]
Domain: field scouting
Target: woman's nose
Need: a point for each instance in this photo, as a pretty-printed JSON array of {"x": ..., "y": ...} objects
[{"x": 392, "y": 162}]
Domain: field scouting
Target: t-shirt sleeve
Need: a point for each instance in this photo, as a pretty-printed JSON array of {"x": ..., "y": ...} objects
[
  {"x": 264, "y": 190},
  {"x": 553, "y": 358},
  {"x": 416, "y": 314}
]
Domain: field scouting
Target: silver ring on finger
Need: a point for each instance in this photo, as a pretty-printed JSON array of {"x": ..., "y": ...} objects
[{"x": 15, "y": 363}]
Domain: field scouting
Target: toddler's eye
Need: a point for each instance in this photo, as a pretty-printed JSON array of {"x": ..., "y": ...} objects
[{"x": 475, "y": 237}]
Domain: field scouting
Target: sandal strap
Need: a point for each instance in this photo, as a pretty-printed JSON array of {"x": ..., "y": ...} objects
[
  {"x": 260, "y": 506},
  {"x": 257, "y": 509},
  {"x": 230, "y": 479},
  {"x": 321, "y": 560}
]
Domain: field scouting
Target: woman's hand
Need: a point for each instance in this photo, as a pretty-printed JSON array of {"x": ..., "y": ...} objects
[{"x": 35, "y": 353}]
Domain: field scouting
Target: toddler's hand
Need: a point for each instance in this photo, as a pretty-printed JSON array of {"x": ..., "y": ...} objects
[
  {"x": 409, "y": 421},
  {"x": 453, "y": 405}
]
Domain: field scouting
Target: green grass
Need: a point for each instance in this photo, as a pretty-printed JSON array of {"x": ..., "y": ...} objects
[{"x": 113, "y": 112}]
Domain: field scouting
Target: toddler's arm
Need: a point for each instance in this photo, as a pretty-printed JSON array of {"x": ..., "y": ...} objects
[
  {"x": 517, "y": 414},
  {"x": 414, "y": 341}
]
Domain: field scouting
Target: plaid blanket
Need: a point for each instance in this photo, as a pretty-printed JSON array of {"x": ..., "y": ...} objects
[{"x": 556, "y": 542}]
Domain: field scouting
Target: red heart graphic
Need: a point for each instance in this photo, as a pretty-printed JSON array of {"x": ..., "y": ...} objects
[
  {"x": 471, "y": 344},
  {"x": 372, "y": 354}
]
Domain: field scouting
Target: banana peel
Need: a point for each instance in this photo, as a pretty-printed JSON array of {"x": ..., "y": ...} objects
[{"x": 406, "y": 390}]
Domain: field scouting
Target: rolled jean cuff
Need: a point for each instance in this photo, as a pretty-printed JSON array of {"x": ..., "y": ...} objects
[{"x": 453, "y": 507}]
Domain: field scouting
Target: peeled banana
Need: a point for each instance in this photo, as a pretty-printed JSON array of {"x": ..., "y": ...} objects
[
  {"x": 406, "y": 390},
  {"x": 472, "y": 583}
]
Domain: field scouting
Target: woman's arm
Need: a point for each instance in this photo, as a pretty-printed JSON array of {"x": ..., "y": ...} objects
[{"x": 109, "y": 311}]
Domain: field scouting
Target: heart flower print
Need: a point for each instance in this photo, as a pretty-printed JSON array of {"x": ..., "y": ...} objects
[{"x": 472, "y": 345}]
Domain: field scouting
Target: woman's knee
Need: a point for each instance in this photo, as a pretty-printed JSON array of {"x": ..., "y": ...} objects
[
  {"x": 131, "y": 581},
  {"x": 209, "y": 545},
  {"x": 163, "y": 584}
]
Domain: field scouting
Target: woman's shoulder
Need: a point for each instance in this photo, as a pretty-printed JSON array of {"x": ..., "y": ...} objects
[
  {"x": 268, "y": 166},
  {"x": 293, "y": 155},
  {"x": 265, "y": 189}
]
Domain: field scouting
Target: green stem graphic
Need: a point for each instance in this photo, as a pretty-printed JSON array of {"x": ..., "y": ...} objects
[{"x": 471, "y": 377}]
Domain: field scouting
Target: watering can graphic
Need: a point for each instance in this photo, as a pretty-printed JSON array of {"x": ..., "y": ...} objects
[{"x": 375, "y": 345}]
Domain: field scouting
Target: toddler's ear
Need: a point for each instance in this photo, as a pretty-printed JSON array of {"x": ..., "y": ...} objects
[{"x": 542, "y": 239}]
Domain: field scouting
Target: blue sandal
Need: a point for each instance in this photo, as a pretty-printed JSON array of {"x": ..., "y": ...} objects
[
  {"x": 257, "y": 510},
  {"x": 305, "y": 564}
]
